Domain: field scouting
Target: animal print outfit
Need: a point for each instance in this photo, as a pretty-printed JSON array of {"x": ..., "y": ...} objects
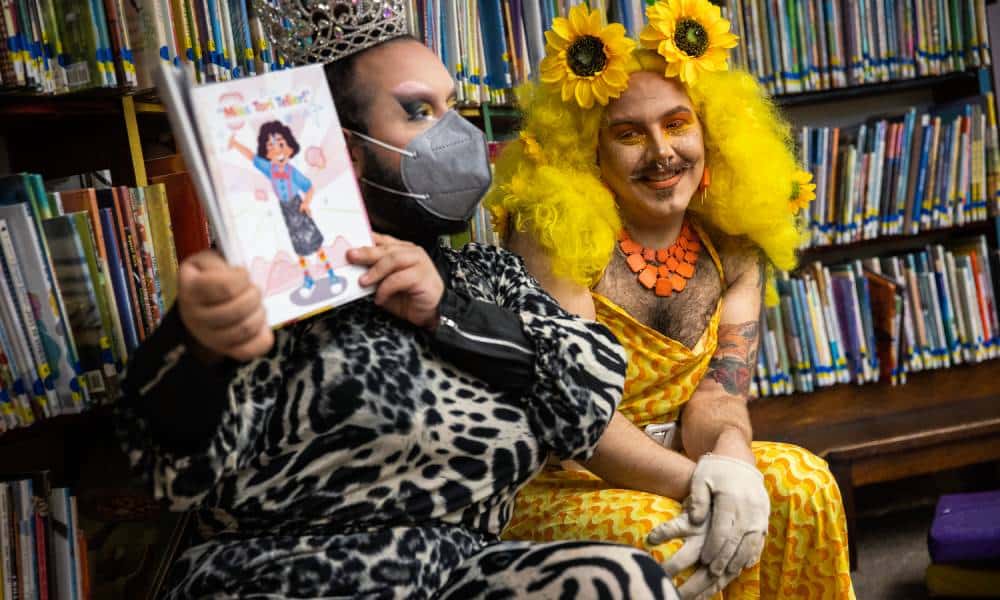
[{"x": 354, "y": 461}]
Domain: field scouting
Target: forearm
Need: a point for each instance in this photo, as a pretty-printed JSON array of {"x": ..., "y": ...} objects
[
  {"x": 626, "y": 457},
  {"x": 716, "y": 422},
  {"x": 173, "y": 387},
  {"x": 716, "y": 419}
]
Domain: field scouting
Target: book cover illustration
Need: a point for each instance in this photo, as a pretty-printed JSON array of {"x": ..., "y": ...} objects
[{"x": 286, "y": 193}]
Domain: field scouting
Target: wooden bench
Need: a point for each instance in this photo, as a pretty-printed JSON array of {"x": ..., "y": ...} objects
[{"x": 870, "y": 434}]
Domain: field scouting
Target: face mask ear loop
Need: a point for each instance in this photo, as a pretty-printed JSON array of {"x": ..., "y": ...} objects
[
  {"x": 395, "y": 191},
  {"x": 382, "y": 144}
]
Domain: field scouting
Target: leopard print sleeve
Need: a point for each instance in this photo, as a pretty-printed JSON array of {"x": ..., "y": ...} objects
[
  {"x": 185, "y": 476},
  {"x": 579, "y": 367}
]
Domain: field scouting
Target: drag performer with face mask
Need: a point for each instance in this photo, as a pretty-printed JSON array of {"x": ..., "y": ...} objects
[
  {"x": 375, "y": 451},
  {"x": 648, "y": 188}
]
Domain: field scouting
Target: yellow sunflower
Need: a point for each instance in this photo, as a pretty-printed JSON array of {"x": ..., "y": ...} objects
[
  {"x": 690, "y": 34},
  {"x": 803, "y": 191},
  {"x": 584, "y": 59}
]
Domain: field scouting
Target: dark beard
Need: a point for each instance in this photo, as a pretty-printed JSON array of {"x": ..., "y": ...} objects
[{"x": 396, "y": 215}]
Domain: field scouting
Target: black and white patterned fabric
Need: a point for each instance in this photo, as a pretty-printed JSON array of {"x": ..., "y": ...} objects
[{"x": 353, "y": 461}]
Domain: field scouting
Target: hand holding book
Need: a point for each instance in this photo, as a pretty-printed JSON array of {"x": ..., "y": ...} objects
[
  {"x": 407, "y": 283},
  {"x": 222, "y": 310}
]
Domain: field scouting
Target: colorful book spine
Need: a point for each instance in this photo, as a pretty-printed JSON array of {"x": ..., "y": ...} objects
[
  {"x": 46, "y": 401},
  {"x": 122, "y": 298}
]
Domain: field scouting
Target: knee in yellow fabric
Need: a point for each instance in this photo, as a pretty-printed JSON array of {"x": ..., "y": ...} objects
[{"x": 790, "y": 471}]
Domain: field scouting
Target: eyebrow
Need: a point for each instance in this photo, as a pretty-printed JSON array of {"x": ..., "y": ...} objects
[
  {"x": 631, "y": 121},
  {"x": 412, "y": 88}
]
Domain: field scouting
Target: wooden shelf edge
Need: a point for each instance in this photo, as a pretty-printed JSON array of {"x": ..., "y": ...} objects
[
  {"x": 58, "y": 423},
  {"x": 899, "y": 242},
  {"x": 901, "y": 442},
  {"x": 71, "y": 104},
  {"x": 778, "y": 416},
  {"x": 875, "y": 88}
]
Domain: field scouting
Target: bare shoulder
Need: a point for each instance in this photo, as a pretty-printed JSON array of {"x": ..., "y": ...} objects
[{"x": 741, "y": 259}]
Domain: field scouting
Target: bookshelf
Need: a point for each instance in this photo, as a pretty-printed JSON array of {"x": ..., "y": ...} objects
[
  {"x": 939, "y": 419},
  {"x": 895, "y": 244},
  {"x": 95, "y": 129},
  {"x": 59, "y": 136},
  {"x": 869, "y": 433}
]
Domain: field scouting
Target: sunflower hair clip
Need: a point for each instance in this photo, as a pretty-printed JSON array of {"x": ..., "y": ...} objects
[
  {"x": 585, "y": 60},
  {"x": 803, "y": 191},
  {"x": 690, "y": 35}
]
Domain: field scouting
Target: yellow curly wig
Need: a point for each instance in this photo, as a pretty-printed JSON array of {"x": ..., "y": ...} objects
[{"x": 549, "y": 185}]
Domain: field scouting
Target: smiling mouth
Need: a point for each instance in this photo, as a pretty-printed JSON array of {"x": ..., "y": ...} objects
[{"x": 660, "y": 180}]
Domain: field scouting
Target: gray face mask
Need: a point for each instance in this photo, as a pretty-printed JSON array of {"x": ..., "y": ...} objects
[{"x": 445, "y": 169}]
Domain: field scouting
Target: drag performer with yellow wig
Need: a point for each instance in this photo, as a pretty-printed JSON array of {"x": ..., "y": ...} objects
[{"x": 653, "y": 188}]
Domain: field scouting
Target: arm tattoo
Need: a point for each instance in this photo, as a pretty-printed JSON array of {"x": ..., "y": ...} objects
[{"x": 736, "y": 357}]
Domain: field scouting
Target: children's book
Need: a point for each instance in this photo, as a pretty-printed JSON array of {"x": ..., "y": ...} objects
[
  {"x": 80, "y": 297},
  {"x": 268, "y": 159}
]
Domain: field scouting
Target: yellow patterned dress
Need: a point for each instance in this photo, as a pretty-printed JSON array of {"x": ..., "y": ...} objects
[{"x": 805, "y": 556}]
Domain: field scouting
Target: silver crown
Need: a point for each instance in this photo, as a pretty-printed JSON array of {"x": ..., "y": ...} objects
[{"x": 322, "y": 31}]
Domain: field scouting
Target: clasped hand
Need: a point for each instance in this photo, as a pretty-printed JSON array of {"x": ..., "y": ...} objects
[{"x": 723, "y": 525}]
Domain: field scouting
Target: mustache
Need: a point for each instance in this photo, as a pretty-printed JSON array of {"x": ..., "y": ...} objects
[{"x": 659, "y": 168}]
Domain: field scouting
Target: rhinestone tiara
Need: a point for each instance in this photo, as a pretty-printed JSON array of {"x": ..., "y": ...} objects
[{"x": 322, "y": 31}]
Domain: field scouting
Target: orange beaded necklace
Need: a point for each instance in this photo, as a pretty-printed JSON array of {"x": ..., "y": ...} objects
[{"x": 667, "y": 270}]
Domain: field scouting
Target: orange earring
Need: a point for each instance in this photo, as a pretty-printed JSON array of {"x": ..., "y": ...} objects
[{"x": 706, "y": 178}]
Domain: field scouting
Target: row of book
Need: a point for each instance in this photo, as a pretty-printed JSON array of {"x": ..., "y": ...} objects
[
  {"x": 898, "y": 176},
  {"x": 88, "y": 273},
  {"x": 481, "y": 224},
  {"x": 791, "y": 46},
  {"x": 878, "y": 319},
  {"x": 491, "y": 46},
  {"x": 55, "y": 46},
  {"x": 794, "y": 46},
  {"x": 43, "y": 551}
]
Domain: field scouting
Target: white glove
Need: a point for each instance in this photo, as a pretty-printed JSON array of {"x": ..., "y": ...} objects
[
  {"x": 701, "y": 585},
  {"x": 680, "y": 527},
  {"x": 733, "y": 491},
  {"x": 724, "y": 522}
]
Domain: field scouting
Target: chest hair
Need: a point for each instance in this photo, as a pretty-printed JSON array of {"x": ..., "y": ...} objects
[{"x": 682, "y": 316}]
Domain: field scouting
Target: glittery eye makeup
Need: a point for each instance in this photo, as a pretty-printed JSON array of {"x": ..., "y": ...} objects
[
  {"x": 416, "y": 110},
  {"x": 628, "y": 137},
  {"x": 423, "y": 108},
  {"x": 677, "y": 125}
]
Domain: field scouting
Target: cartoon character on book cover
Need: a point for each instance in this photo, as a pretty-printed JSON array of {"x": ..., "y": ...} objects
[
  {"x": 286, "y": 188},
  {"x": 276, "y": 147}
]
